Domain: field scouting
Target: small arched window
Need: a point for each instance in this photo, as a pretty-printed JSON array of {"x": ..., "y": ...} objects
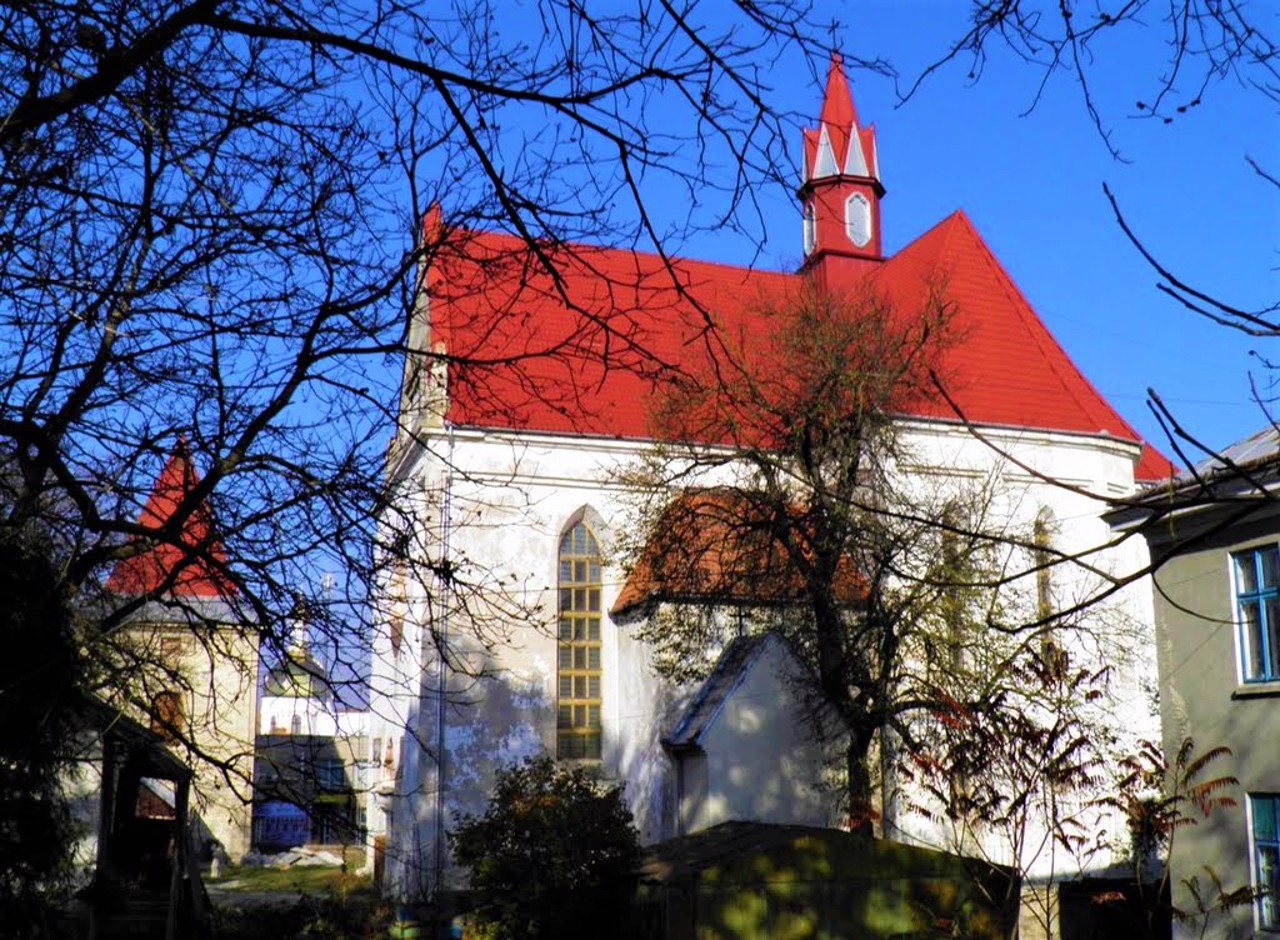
[
  {"x": 810, "y": 228},
  {"x": 578, "y": 654}
]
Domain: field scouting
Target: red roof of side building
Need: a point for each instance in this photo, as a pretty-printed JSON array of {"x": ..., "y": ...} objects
[
  {"x": 587, "y": 351},
  {"x": 193, "y": 560},
  {"x": 718, "y": 545}
]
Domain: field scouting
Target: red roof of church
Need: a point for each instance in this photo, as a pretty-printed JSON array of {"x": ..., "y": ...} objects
[
  {"x": 188, "y": 554},
  {"x": 584, "y": 351},
  {"x": 584, "y": 354}
]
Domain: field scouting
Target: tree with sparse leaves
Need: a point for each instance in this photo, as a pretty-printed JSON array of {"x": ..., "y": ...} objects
[{"x": 882, "y": 590}]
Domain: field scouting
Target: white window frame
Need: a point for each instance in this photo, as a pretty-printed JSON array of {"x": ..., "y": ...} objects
[{"x": 1244, "y": 639}]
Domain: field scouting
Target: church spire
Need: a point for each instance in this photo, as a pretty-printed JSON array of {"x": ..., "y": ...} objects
[{"x": 840, "y": 190}]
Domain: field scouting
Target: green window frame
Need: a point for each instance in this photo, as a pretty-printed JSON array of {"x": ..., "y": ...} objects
[
  {"x": 1257, "y": 582},
  {"x": 1264, "y": 816},
  {"x": 579, "y": 670}
]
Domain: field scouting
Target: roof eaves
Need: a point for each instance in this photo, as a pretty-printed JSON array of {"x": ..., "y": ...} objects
[{"x": 701, "y": 713}]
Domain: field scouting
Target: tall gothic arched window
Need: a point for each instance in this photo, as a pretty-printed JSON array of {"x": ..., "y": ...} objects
[{"x": 579, "y": 671}]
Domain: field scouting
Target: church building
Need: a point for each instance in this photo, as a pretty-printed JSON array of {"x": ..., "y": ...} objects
[{"x": 509, "y": 627}]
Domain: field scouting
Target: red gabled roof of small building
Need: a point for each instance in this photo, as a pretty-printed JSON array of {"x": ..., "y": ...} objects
[
  {"x": 189, "y": 564},
  {"x": 717, "y": 545},
  {"x": 584, "y": 352}
]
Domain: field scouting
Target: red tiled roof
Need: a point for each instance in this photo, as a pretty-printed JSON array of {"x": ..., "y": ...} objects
[
  {"x": 717, "y": 545},
  {"x": 584, "y": 353},
  {"x": 188, "y": 554}
]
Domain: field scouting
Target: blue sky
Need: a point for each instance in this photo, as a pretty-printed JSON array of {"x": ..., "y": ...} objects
[{"x": 1033, "y": 187}]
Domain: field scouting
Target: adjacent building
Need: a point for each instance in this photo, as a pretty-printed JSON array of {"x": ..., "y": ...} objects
[
  {"x": 191, "y": 665},
  {"x": 312, "y": 759},
  {"x": 1214, "y": 537}
]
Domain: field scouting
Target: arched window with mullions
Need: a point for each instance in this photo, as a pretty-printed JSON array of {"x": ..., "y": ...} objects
[{"x": 578, "y": 656}]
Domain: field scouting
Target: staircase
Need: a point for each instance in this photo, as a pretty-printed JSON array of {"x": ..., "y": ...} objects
[{"x": 135, "y": 914}]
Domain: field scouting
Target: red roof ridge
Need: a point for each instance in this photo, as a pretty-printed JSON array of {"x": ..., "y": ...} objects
[{"x": 676, "y": 262}]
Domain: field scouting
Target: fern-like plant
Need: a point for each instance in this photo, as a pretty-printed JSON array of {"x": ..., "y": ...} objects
[{"x": 1158, "y": 799}]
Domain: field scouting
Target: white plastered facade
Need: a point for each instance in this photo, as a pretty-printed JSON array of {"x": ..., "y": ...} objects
[{"x": 496, "y": 504}]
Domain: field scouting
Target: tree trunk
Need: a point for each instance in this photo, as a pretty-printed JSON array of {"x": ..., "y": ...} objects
[{"x": 862, "y": 813}]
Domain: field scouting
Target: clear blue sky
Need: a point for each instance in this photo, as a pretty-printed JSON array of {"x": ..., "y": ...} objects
[{"x": 1033, "y": 187}]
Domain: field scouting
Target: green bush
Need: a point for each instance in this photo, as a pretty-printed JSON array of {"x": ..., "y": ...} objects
[{"x": 552, "y": 856}]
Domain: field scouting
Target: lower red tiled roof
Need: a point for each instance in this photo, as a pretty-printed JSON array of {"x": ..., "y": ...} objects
[
  {"x": 586, "y": 351},
  {"x": 718, "y": 545}
]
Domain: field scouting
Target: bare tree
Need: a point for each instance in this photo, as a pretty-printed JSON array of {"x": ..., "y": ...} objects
[
  {"x": 212, "y": 234},
  {"x": 1204, "y": 42},
  {"x": 883, "y": 589}
]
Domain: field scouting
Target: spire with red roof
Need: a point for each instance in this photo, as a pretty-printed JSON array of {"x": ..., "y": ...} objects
[
  {"x": 191, "y": 563},
  {"x": 840, "y": 192}
]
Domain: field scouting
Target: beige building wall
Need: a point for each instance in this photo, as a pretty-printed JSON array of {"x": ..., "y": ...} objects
[
  {"x": 213, "y": 672},
  {"x": 1203, "y": 697}
]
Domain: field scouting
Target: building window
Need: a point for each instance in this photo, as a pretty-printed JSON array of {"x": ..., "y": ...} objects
[
  {"x": 171, "y": 650},
  {"x": 1264, "y": 810},
  {"x": 578, "y": 703},
  {"x": 167, "y": 715},
  {"x": 810, "y": 228},
  {"x": 1257, "y": 574},
  {"x": 331, "y": 774},
  {"x": 857, "y": 219},
  {"x": 398, "y": 602}
]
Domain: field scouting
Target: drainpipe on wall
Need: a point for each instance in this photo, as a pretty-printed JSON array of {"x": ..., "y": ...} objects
[{"x": 446, "y": 529}]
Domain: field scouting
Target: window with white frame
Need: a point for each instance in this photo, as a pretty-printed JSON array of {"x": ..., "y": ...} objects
[
  {"x": 1264, "y": 811},
  {"x": 1257, "y": 577},
  {"x": 810, "y": 228}
]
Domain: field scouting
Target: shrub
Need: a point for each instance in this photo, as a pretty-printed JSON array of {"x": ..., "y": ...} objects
[{"x": 552, "y": 856}]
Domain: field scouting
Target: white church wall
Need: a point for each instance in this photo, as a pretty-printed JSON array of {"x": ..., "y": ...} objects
[
  {"x": 762, "y": 762},
  {"x": 502, "y": 501}
]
